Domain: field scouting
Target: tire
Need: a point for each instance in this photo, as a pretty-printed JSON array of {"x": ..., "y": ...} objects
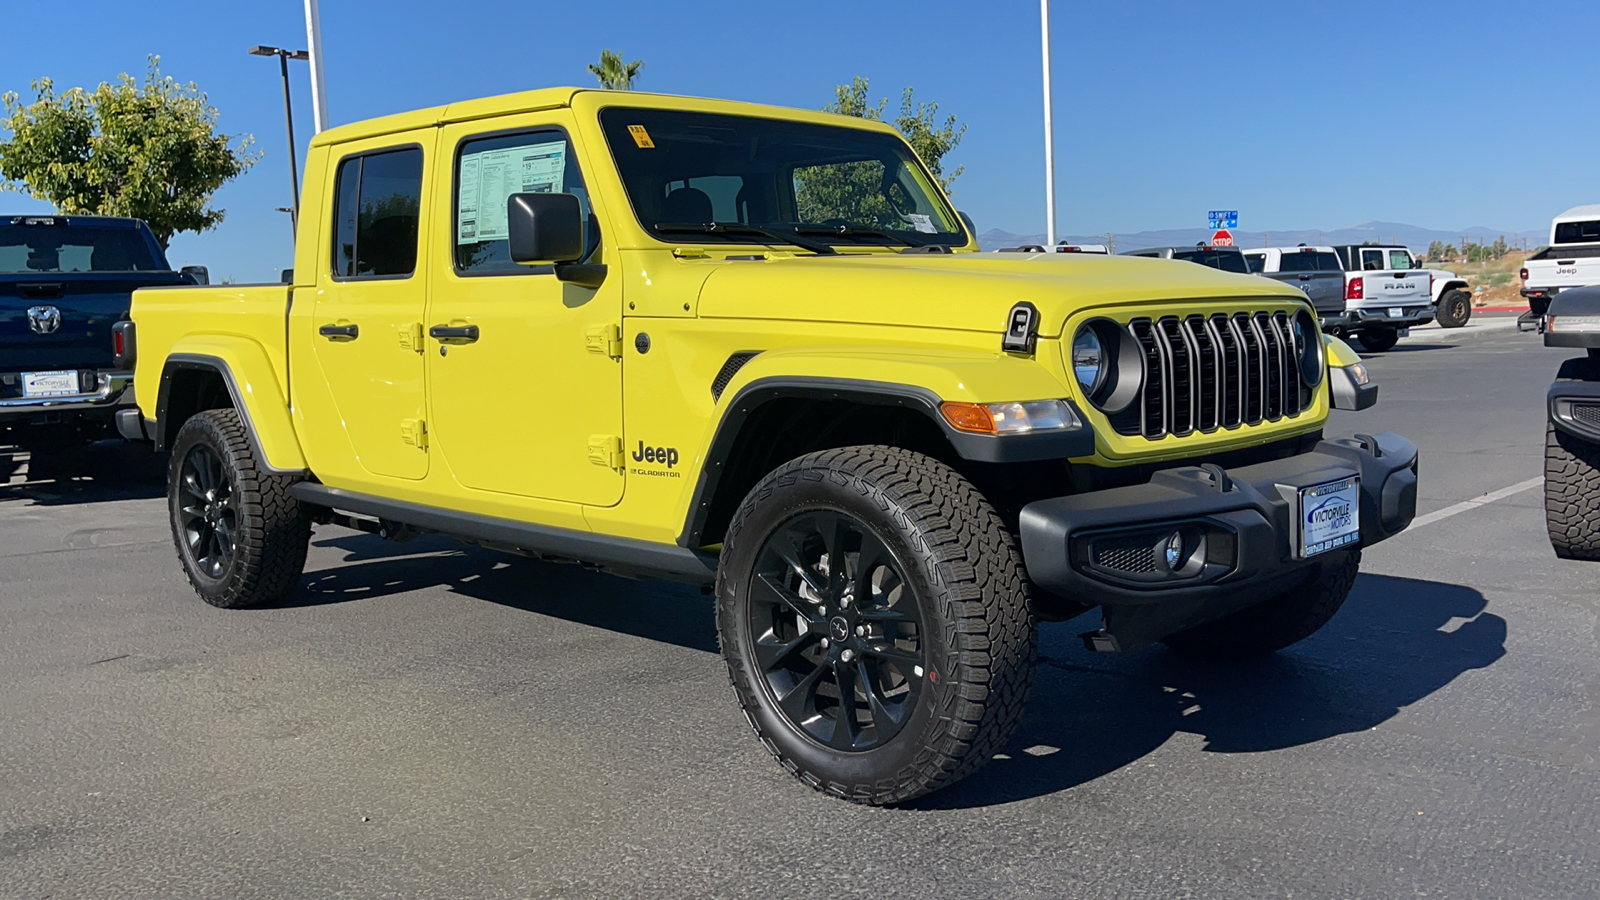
[
  {"x": 1571, "y": 494},
  {"x": 241, "y": 536},
  {"x": 1455, "y": 308},
  {"x": 1268, "y": 627},
  {"x": 947, "y": 661},
  {"x": 1379, "y": 339}
]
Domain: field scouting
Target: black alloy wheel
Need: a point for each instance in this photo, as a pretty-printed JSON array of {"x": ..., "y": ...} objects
[
  {"x": 837, "y": 630},
  {"x": 208, "y": 512}
]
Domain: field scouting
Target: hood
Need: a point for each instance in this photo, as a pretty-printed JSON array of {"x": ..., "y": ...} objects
[{"x": 963, "y": 291}]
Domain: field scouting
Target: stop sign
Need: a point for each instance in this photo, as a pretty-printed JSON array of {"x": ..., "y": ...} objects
[{"x": 1223, "y": 238}]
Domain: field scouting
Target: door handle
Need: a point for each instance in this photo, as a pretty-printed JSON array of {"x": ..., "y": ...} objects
[
  {"x": 340, "y": 332},
  {"x": 1305, "y": 277},
  {"x": 464, "y": 334}
]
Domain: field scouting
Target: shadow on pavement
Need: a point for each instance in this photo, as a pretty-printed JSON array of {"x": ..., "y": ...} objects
[
  {"x": 1396, "y": 641},
  {"x": 655, "y": 610},
  {"x": 93, "y": 473}
]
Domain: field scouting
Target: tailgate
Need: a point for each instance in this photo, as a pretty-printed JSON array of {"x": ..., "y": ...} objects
[
  {"x": 1559, "y": 270},
  {"x": 62, "y": 320},
  {"x": 1395, "y": 289},
  {"x": 1326, "y": 289}
]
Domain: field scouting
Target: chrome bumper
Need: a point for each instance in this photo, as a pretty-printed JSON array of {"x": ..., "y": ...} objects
[{"x": 114, "y": 389}]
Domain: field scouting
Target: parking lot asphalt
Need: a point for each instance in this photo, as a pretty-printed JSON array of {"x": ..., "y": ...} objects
[{"x": 426, "y": 720}]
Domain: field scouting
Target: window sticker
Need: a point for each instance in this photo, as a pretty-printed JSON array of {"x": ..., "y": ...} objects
[
  {"x": 489, "y": 178},
  {"x": 641, "y": 137},
  {"x": 921, "y": 223}
]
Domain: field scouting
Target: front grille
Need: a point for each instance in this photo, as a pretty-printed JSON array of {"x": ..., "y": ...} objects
[{"x": 1202, "y": 373}]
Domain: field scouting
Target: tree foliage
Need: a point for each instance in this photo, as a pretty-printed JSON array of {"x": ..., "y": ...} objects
[
  {"x": 917, "y": 123},
  {"x": 614, "y": 74},
  {"x": 150, "y": 151}
]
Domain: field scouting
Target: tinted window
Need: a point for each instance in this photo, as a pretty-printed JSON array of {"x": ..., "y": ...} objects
[
  {"x": 1256, "y": 262},
  {"x": 1372, "y": 260},
  {"x": 379, "y": 199},
  {"x": 1226, "y": 260},
  {"x": 1309, "y": 262},
  {"x": 51, "y": 245},
  {"x": 1578, "y": 232},
  {"x": 684, "y": 169},
  {"x": 488, "y": 172}
]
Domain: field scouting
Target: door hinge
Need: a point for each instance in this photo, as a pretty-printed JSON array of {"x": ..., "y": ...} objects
[
  {"x": 411, "y": 336},
  {"x": 415, "y": 433},
  {"x": 605, "y": 450},
  {"x": 604, "y": 339}
]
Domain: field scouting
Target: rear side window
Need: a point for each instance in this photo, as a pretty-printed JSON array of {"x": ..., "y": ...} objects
[
  {"x": 1309, "y": 262},
  {"x": 378, "y": 198},
  {"x": 1226, "y": 260},
  {"x": 1372, "y": 260},
  {"x": 1257, "y": 262},
  {"x": 1578, "y": 232}
]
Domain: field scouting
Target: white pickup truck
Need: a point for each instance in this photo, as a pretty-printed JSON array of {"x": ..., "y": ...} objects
[
  {"x": 1572, "y": 259},
  {"x": 1385, "y": 295}
]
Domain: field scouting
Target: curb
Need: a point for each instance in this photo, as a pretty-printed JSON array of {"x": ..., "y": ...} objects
[{"x": 1473, "y": 330}]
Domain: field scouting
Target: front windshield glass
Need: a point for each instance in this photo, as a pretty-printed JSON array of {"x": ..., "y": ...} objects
[
  {"x": 1226, "y": 260},
  {"x": 684, "y": 171}
]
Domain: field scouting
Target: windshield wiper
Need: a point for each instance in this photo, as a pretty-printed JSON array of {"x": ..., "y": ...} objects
[
  {"x": 857, "y": 231},
  {"x": 741, "y": 228}
]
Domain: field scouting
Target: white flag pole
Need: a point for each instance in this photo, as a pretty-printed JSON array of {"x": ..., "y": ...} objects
[
  {"x": 319, "y": 95},
  {"x": 1049, "y": 137}
]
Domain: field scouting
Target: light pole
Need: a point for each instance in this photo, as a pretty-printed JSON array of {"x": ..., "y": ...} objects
[
  {"x": 288, "y": 113},
  {"x": 1049, "y": 136}
]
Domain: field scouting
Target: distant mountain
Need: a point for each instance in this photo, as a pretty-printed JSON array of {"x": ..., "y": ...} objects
[{"x": 1412, "y": 236}]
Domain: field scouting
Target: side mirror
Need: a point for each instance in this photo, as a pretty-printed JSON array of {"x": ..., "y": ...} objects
[
  {"x": 967, "y": 221},
  {"x": 286, "y": 276},
  {"x": 197, "y": 274},
  {"x": 544, "y": 228}
]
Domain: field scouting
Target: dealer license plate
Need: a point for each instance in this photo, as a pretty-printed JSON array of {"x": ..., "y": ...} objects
[
  {"x": 1330, "y": 516},
  {"x": 49, "y": 384},
  {"x": 1396, "y": 312}
]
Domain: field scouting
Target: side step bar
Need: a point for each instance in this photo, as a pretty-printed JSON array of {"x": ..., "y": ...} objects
[{"x": 624, "y": 556}]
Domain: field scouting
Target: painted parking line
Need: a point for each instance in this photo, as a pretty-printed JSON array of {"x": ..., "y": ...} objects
[{"x": 1476, "y": 502}]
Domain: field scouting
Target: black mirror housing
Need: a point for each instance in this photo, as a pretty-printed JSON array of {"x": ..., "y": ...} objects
[
  {"x": 544, "y": 228},
  {"x": 197, "y": 274}
]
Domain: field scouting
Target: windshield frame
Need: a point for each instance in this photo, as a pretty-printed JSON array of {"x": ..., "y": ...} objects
[{"x": 856, "y": 237}]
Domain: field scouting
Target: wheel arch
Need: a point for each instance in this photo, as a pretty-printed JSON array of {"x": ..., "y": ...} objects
[
  {"x": 1453, "y": 284},
  {"x": 768, "y": 419},
  {"x": 196, "y": 379}
]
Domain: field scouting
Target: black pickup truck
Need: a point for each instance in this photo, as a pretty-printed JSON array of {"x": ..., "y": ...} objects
[{"x": 65, "y": 283}]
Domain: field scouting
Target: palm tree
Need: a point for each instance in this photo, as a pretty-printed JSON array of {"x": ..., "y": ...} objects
[{"x": 614, "y": 74}]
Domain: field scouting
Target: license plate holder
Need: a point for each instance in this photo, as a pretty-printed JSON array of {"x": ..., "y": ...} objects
[
  {"x": 62, "y": 383},
  {"x": 1329, "y": 516},
  {"x": 1396, "y": 312}
]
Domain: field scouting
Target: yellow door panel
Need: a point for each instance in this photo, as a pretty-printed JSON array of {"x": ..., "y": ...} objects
[
  {"x": 365, "y": 324},
  {"x": 524, "y": 379}
]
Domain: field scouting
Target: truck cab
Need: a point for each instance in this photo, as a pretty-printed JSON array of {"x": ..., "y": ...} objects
[
  {"x": 757, "y": 349},
  {"x": 1386, "y": 294}
]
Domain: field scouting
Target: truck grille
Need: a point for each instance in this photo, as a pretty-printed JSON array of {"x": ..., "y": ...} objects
[{"x": 1202, "y": 373}]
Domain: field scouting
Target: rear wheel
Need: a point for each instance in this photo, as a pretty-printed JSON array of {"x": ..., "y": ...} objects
[
  {"x": 1379, "y": 339},
  {"x": 1571, "y": 494},
  {"x": 240, "y": 534},
  {"x": 873, "y": 612},
  {"x": 1288, "y": 618},
  {"x": 1455, "y": 308}
]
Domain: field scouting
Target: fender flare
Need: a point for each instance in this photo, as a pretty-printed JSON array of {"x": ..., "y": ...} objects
[
  {"x": 1453, "y": 284},
  {"x": 247, "y": 373},
  {"x": 784, "y": 377}
]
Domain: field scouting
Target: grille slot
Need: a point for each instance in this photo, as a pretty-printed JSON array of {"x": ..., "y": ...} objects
[
  {"x": 1202, "y": 373},
  {"x": 1132, "y": 554},
  {"x": 1587, "y": 413}
]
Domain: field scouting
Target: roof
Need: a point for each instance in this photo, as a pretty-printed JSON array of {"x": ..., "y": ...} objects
[
  {"x": 1592, "y": 211},
  {"x": 555, "y": 98}
]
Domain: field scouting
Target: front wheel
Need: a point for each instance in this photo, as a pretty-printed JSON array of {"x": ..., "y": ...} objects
[
  {"x": 1455, "y": 308},
  {"x": 873, "y": 612},
  {"x": 1267, "y": 627},
  {"x": 1379, "y": 339},
  {"x": 1571, "y": 494},
  {"x": 240, "y": 534}
]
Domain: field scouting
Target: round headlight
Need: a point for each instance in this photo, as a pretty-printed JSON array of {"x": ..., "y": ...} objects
[
  {"x": 1088, "y": 360},
  {"x": 1308, "y": 338}
]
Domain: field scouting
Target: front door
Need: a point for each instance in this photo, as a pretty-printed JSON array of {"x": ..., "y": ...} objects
[
  {"x": 524, "y": 371},
  {"x": 369, "y": 311}
]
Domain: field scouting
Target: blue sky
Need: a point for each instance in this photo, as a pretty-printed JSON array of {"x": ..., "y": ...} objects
[{"x": 1299, "y": 115}]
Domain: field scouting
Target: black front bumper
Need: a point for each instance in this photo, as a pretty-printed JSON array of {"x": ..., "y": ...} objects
[
  {"x": 1239, "y": 534},
  {"x": 1574, "y": 407}
]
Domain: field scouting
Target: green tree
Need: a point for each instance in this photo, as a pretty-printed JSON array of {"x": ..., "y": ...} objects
[
  {"x": 614, "y": 74},
  {"x": 150, "y": 151},
  {"x": 917, "y": 122},
  {"x": 1439, "y": 250},
  {"x": 1500, "y": 248}
]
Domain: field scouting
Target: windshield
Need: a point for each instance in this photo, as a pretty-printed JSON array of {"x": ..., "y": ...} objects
[
  {"x": 51, "y": 245},
  {"x": 1226, "y": 260},
  {"x": 1309, "y": 261},
  {"x": 692, "y": 169}
]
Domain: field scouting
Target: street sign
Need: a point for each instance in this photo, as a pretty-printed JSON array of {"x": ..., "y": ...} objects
[
  {"x": 1223, "y": 238},
  {"x": 1222, "y": 218}
]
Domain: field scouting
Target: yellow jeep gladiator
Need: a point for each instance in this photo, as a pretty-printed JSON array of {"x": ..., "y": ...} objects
[{"x": 757, "y": 349}]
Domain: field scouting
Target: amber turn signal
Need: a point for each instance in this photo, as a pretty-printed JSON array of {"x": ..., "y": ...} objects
[{"x": 968, "y": 417}]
